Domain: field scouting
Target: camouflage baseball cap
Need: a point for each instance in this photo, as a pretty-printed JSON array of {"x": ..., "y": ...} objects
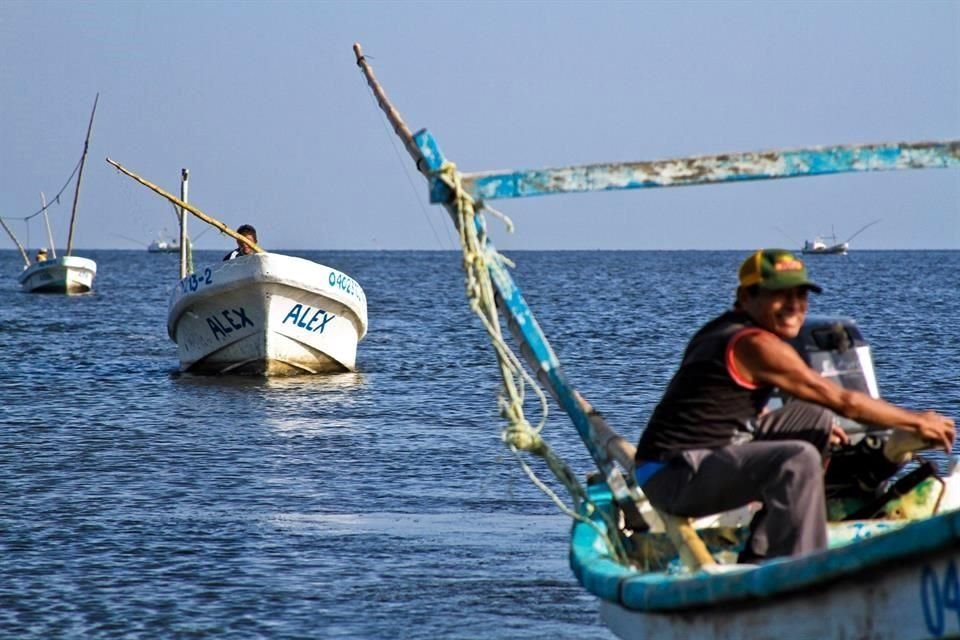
[{"x": 775, "y": 269}]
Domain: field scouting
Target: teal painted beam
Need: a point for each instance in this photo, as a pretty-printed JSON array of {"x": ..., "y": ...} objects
[
  {"x": 534, "y": 344},
  {"x": 732, "y": 167}
]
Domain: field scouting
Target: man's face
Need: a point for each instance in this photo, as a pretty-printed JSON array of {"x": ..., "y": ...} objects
[
  {"x": 781, "y": 312},
  {"x": 243, "y": 247}
]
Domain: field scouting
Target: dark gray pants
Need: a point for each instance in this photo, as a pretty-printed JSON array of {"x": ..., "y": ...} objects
[{"x": 781, "y": 466}]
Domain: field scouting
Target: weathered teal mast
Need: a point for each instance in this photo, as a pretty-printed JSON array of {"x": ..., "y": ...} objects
[{"x": 534, "y": 345}]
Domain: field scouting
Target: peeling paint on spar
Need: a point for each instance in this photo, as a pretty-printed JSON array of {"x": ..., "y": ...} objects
[
  {"x": 346, "y": 284},
  {"x": 729, "y": 167}
]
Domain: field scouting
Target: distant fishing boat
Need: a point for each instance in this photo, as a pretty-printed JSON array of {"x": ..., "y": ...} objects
[
  {"x": 264, "y": 313},
  {"x": 820, "y": 244},
  {"x": 892, "y": 567},
  {"x": 162, "y": 245},
  {"x": 68, "y": 273}
]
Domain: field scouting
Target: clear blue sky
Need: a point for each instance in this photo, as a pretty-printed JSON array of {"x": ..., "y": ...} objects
[{"x": 263, "y": 103}]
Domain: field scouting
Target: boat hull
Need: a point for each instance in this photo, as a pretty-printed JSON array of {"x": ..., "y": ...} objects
[
  {"x": 879, "y": 580},
  {"x": 910, "y": 600},
  {"x": 267, "y": 314},
  {"x": 67, "y": 274},
  {"x": 831, "y": 251}
]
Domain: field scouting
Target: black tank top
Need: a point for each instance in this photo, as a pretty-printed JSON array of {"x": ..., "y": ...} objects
[{"x": 703, "y": 406}]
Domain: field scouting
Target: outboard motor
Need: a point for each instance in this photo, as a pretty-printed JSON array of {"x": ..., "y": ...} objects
[
  {"x": 857, "y": 473},
  {"x": 834, "y": 347}
]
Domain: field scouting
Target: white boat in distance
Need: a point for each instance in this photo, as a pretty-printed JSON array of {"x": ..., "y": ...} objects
[
  {"x": 163, "y": 246},
  {"x": 267, "y": 314},
  {"x": 66, "y": 274},
  {"x": 819, "y": 245}
]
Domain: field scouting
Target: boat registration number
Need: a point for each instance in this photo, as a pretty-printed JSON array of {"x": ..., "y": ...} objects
[
  {"x": 940, "y": 596},
  {"x": 195, "y": 281}
]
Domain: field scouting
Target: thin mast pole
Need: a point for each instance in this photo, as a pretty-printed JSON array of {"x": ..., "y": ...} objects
[
  {"x": 76, "y": 194},
  {"x": 46, "y": 219},
  {"x": 399, "y": 126},
  {"x": 184, "y": 190},
  {"x": 213, "y": 222},
  {"x": 23, "y": 252}
]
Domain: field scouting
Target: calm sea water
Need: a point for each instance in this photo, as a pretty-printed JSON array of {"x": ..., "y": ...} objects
[{"x": 136, "y": 502}]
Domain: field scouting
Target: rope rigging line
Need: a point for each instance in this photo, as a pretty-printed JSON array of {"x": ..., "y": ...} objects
[
  {"x": 55, "y": 200},
  {"x": 416, "y": 192},
  {"x": 518, "y": 434}
]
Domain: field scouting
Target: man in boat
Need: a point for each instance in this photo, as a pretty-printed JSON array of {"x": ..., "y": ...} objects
[
  {"x": 712, "y": 446},
  {"x": 243, "y": 249},
  {"x": 41, "y": 255}
]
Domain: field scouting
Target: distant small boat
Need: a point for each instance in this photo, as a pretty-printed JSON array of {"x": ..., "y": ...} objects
[
  {"x": 164, "y": 246},
  {"x": 820, "y": 244},
  {"x": 68, "y": 273}
]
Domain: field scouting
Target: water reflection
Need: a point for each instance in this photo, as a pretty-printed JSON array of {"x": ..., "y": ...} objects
[{"x": 307, "y": 405}]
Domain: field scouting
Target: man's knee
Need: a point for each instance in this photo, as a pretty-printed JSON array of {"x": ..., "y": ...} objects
[{"x": 804, "y": 457}]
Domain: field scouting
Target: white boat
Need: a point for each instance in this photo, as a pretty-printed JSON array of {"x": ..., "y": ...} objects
[
  {"x": 66, "y": 274},
  {"x": 261, "y": 313},
  {"x": 819, "y": 245},
  {"x": 161, "y": 245},
  {"x": 892, "y": 569},
  {"x": 267, "y": 314}
]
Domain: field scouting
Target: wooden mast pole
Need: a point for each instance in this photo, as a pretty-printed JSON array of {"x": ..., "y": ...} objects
[
  {"x": 76, "y": 193},
  {"x": 46, "y": 219},
  {"x": 23, "y": 252},
  {"x": 183, "y": 205},
  {"x": 184, "y": 191},
  {"x": 399, "y": 126},
  {"x": 603, "y": 442}
]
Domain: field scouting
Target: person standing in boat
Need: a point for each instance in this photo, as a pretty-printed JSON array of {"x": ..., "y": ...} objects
[
  {"x": 243, "y": 249},
  {"x": 710, "y": 444},
  {"x": 41, "y": 255}
]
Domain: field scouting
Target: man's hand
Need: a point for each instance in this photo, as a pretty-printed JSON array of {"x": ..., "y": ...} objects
[
  {"x": 838, "y": 436},
  {"x": 938, "y": 430}
]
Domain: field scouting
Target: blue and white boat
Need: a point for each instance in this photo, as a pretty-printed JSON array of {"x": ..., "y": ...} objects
[{"x": 891, "y": 570}]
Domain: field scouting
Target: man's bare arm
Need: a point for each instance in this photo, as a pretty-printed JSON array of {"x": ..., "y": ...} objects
[{"x": 765, "y": 359}]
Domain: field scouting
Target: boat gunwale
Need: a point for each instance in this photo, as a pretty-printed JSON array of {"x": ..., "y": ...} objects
[
  {"x": 653, "y": 592},
  {"x": 181, "y": 302}
]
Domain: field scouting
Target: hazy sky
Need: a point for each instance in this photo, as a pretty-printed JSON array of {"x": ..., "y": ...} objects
[{"x": 263, "y": 102}]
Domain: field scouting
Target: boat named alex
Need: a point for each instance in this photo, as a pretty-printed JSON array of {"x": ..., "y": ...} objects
[
  {"x": 262, "y": 313},
  {"x": 267, "y": 314}
]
